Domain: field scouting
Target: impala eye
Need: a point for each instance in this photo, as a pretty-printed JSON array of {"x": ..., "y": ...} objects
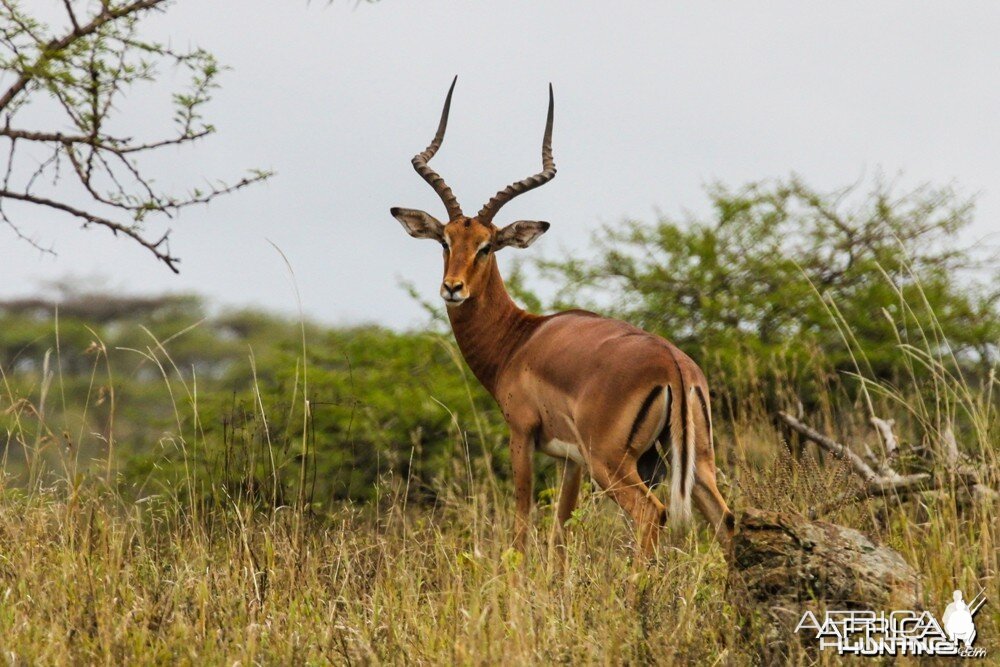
[
  {"x": 485, "y": 250},
  {"x": 444, "y": 245}
]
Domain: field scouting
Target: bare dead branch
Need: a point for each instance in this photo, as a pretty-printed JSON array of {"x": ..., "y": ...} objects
[
  {"x": 952, "y": 455},
  {"x": 890, "y": 446},
  {"x": 857, "y": 463},
  {"x": 884, "y": 428},
  {"x": 886, "y": 482}
]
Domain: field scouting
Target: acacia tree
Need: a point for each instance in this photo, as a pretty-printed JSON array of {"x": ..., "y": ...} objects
[
  {"x": 779, "y": 272},
  {"x": 74, "y": 74}
]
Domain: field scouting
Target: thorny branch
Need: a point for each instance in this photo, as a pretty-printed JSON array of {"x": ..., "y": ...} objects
[{"x": 83, "y": 72}]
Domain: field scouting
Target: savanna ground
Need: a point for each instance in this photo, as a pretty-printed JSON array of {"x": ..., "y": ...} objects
[{"x": 186, "y": 486}]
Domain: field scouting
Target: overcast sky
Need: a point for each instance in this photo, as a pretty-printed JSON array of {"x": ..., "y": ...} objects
[{"x": 653, "y": 102}]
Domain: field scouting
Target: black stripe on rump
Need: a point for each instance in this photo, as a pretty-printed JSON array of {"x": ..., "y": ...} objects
[
  {"x": 643, "y": 411},
  {"x": 704, "y": 412},
  {"x": 651, "y": 465}
]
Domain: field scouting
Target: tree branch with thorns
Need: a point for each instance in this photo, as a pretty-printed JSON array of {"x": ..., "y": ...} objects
[{"x": 81, "y": 74}]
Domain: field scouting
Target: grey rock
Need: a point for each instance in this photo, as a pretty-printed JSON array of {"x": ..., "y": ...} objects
[{"x": 783, "y": 565}]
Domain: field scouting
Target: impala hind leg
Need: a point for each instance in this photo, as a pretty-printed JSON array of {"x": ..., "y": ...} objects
[
  {"x": 706, "y": 496},
  {"x": 710, "y": 502},
  {"x": 626, "y": 488}
]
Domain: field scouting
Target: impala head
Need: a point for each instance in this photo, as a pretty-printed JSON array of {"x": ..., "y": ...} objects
[{"x": 470, "y": 242}]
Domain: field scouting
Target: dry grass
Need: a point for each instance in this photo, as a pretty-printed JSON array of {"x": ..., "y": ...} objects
[
  {"x": 85, "y": 582},
  {"x": 85, "y": 578}
]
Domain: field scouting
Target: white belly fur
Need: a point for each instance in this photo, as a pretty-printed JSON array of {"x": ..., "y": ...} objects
[{"x": 563, "y": 450}]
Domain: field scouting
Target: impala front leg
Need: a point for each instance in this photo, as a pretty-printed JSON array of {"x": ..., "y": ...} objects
[
  {"x": 568, "y": 496},
  {"x": 520, "y": 456}
]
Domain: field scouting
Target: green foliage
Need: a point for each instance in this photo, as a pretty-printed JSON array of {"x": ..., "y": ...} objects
[
  {"x": 800, "y": 283},
  {"x": 225, "y": 394}
]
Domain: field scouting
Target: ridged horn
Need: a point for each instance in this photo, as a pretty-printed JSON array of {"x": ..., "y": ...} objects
[
  {"x": 514, "y": 189},
  {"x": 432, "y": 177}
]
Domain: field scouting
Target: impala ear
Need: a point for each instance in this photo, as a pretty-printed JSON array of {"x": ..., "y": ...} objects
[
  {"x": 418, "y": 224},
  {"x": 520, "y": 234}
]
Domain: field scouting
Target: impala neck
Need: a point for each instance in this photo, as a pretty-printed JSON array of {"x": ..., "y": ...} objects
[{"x": 489, "y": 328}]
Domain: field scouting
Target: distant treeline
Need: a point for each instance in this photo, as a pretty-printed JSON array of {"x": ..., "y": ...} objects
[{"x": 154, "y": 376}]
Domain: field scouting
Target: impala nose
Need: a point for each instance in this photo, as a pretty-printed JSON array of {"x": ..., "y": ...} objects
[{"x": 451, "y": 291}]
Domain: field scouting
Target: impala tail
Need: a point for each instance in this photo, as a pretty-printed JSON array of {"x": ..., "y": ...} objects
[
  {"x": 676, "y": 444},
  {"x": 682, "y": 459}
]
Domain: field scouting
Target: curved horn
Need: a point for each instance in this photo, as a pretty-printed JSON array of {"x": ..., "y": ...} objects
[
  {"x": 514, "y": 189},
  {"x": 432, "y": 177}
]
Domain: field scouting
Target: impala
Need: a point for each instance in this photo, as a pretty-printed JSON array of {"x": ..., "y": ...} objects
[{"x": 598, "y": 393}]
